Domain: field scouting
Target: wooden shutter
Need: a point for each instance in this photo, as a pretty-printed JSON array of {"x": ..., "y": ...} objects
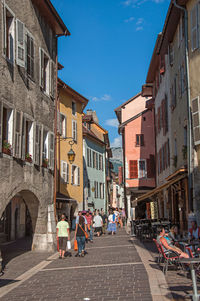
[
  {"x": 23, "y": 138},
  {"x": 41, "y": 68},
  {"x": 1, "y": 124},
  {"x": 151, "y": 167},
  {"x": 51, "y": 150},
  {"x": 37, "y": 141},
  {"x": 64, "y": 171},
  {"x": 30, "y": 53},
  {"x": 4, "y": 30},
  {"x": 18, "y": 134},
  {"x": 97, "y": 163},
  {"x": 133, "y": 169},
  {"x": 41, "y": 145},
  {"x": 20, "y": 37},
  {"x": 196, "y": 120},
  {"x": 88, "y": 158},
  {"x": 52, "y": 76},
  {"x": 72, "y": 175},
  {"x": 194, "y": 28},
  {"x": 78, "y": 174},
  {"x": 67, "y": 173}
]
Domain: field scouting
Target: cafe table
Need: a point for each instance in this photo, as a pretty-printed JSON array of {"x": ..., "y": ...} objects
[{"x": 191, "y": 262}]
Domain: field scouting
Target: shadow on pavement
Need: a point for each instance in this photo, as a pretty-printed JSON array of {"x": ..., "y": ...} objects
[
  {"x": 4, "y": 282},
  {"x": 14, "y": 249}
]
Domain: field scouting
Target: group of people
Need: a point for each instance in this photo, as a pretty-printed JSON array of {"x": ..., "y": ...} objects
[
  {"x": 88, "y": 224},
  {"x": 171, "y": 241}
]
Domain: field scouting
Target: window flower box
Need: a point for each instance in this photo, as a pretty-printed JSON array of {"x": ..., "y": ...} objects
[
  {"x": 45, "y": 163},
  {"x": 6, "y": 148},
  {"x": 28, "y": 158}
]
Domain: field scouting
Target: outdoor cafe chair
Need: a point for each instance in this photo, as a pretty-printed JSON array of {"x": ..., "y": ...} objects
[
  {"x": 159, "y": 258},
  {"x": 171, "y": 258}
]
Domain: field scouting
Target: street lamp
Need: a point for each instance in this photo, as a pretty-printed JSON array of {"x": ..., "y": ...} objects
[{"x": 71, "y": 154}]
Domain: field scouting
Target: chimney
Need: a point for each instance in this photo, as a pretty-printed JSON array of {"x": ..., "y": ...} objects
[{"x": 93, "y": 114}]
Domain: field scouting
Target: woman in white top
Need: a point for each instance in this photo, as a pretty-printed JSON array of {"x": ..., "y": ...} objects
[
  {"x": 98, "y": 222},
  {"x": 112, "y": 223}
]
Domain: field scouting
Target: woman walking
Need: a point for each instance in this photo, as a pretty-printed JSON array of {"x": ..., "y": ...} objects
[
  {"x": 112, "y": 223},
  {"x": 80, "y": 231}
]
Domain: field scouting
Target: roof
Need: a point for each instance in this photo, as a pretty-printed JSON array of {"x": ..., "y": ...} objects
[
  {"x": 90, "y": 133},
  {"x": 48, "y": 11},
  {"x": 75, "y": 94}
]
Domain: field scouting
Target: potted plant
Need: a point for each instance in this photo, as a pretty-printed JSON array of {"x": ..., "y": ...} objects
[
  {"x": 6, "y": 148},
  {"x": 184, "y": 152},
  {"x": 45, "y": 162},
  {"x": 28, "y": 158}
]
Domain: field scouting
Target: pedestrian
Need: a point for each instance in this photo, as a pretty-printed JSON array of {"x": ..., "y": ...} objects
[
  {"x": 89, "y": 219},
  {"x": 63, "y": 234},
  {"x": 120, "y": 218},
  {"x": 98, "y": 222},
  {"x": 116, "y": 212},
  {"x": 112, "y": 223},
  {"x": 123, "y": 217},
  {"x": 80, "y": 231},
  {"x": 105, "y": 220}
]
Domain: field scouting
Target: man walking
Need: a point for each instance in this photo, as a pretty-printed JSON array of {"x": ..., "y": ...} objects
[{"x": 63, "y": 234}]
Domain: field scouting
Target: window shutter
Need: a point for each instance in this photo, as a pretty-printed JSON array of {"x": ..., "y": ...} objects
[
  {"x": 133, "y": 169},
  {"x": 41, "y": 68},
  {"x": 194, "y": 28},
  {"x": 196, "y": 120},
  {"x": 52, "y": 76},
  {"x": 1, "y": 124},
  {"x": 88, "y": 162},
  {"x": 41, "y": 145},
  {"x": 67, "y": 173},
  {"x": 51, "y": 150},
  {"x": 4, "y": 30},
  {"x": 20, "y": 37},
  {"x": 168, "y": 146},
  {"x": 23, "y": 138},
  {"x": 37, "y": 141},
  {"x": 78, "y": 171},
  {"x": 64, "y": 171},
  {"x": 30, "y": 53},
  {"x": 72, "y": 175},
  {"x": 18, "y": 134},
  {"x": 151, "y": 167}
]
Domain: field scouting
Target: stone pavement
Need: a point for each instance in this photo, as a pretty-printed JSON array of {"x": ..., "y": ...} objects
[
  {"x": 112, "y": 270},
  {"x": 115, "y": 268}
]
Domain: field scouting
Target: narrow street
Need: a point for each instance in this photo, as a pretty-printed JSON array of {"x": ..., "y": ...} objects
[{"x": 112, "y": 270}]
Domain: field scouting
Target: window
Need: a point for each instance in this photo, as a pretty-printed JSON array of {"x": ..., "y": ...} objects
[
  {"x": 100, "y": 162},
  {"x": 8, "y": 33},
  {"x": 139, "y": 140},
  {"x": 97, "y": 161},
  {"x": 96, "y": 187},
  {"x": 196, "y": 120},
  {"x": 194, "y": 28},
  {"x": 51, "y": 150},
  {"x": 45, "y": 146},
  {"x": 27, "y": 138},
  {"x": 94, "y": 159},
  {"x": 65, "y": 171},
  {"x": 73, "y": 108},
  {"x": 101, "y": 190},
  {"x": 37, "y": 144},
  {"x": 6, "y": 121},
  {"x": 30, "y": 55},
  {"x": 18, "y": 134},
  {"x": 151, "y": 167},
  {"x": 62, "y": 126},
  {"x": 141, "y": 169},
  {"x": 74, "y": 130},
  {"x": 75, "y": 177},
  {"x": 88, "y": 157},
  {"x": 89, "y": 189},
  {"x": 46, "y": 72}
]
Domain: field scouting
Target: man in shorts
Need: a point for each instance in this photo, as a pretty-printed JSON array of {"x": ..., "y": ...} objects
[{"x": 63, "y": 235}]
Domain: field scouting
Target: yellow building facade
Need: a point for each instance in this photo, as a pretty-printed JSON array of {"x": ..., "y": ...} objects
[{"x": 69, "y": 125}]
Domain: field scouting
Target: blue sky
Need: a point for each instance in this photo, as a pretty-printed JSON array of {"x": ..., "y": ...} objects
[{"x": 107, "y": 56}]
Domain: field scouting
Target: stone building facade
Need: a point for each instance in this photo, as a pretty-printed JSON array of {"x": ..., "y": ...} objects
[{"x": 28, "y": 40}]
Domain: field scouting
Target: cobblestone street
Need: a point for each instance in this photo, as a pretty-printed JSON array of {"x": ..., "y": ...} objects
[{"x": 112, "y": 270}]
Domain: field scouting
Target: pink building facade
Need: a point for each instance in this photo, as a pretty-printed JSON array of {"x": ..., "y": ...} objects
[{"x": 136, "y": 118}]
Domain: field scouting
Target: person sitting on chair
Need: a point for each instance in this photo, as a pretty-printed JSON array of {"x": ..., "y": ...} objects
[
  {"x": 166, "y": 243},
  {"x": 194, "y": 231}
]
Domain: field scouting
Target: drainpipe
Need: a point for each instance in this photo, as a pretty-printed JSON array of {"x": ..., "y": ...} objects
[
  {"x": 124, "y": 173},
  {"x": 189, "y": 129}
]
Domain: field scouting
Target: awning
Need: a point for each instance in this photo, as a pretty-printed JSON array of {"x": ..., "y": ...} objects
[
  {"x": 158, "y": 189},
  {"x": 64, "y": 198}
]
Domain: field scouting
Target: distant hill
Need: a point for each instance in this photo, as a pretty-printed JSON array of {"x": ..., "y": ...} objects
[{"x": 117, "y": 153}]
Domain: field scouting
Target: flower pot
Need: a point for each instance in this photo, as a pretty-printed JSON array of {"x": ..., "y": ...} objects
[
  {"x": 29, "y": 160},
  {"x": 6, "y": 151}
]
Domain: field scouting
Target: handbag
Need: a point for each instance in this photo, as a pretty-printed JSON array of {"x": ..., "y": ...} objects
[
  {"x": 86, "y": 235},
  {"x": 75, "y": 245},
  {"x": 69, "y": 245}
]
